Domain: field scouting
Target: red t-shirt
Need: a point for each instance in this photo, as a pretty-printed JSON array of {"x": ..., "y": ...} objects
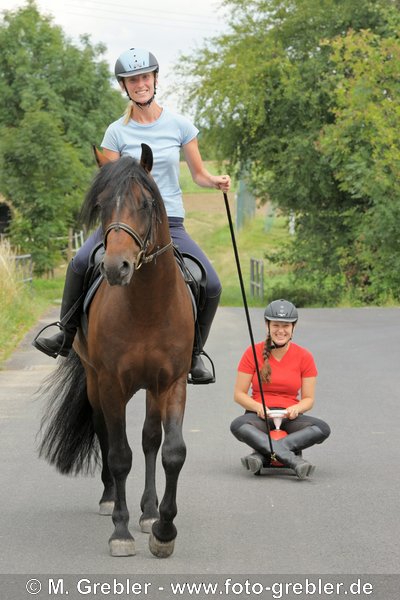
[{"x": 286, "y": 374}]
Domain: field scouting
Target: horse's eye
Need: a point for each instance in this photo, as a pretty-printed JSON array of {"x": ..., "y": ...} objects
[{"x": 145, "y": 204}]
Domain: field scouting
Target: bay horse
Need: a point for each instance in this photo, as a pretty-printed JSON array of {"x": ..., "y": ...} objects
[{"x": 139, "y": 336}]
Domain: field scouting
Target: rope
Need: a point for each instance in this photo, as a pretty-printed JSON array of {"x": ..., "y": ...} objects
[{"x": 246, "y": 309}]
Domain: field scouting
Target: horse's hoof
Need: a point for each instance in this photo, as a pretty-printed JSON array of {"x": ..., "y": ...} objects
[
  {"x": 122, "y": 547},
  {"x": 147, "y": 524},
  {"x": 106, "y": 508},
  {"x": 160, "y": 549}
]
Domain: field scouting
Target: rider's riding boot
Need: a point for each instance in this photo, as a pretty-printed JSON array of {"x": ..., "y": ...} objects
[
  {"x": 61, "y": 343},
  {"x": 258, "y": 440},
  {"x": 199, "y": 374},
  {"x": 286, "y": 448}
]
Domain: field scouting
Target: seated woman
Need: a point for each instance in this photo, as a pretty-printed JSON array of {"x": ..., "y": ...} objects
[{"x": 286, "y": 369}]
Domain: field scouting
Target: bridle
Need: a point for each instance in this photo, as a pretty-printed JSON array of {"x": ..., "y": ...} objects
[{"x": 143, "y": 243}]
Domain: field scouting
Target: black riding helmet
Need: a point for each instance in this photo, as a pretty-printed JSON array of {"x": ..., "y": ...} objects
[{"x": 281, "y": 310}]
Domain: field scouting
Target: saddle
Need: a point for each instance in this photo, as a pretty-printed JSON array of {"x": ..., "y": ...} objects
[{"x": 192, "y": 270}]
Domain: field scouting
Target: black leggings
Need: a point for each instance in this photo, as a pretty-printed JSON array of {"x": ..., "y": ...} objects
[{"x": 288, "y": 425}]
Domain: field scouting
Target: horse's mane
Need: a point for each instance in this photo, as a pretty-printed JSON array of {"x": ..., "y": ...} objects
[{"x": 113, "y": 182}]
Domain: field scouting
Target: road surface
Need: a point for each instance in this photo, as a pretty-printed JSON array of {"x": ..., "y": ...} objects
[{"x": 342, "y": 521}]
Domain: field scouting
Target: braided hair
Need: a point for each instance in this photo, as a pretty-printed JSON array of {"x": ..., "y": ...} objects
[{"x": 266, "y": 368}]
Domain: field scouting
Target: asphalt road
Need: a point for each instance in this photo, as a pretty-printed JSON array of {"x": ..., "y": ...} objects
[{"x": 342, "y": 521}]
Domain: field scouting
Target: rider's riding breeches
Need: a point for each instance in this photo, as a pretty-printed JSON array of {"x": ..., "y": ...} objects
[{"x": 180, "y": 238}]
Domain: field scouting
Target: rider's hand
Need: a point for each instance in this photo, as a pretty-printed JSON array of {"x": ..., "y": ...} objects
[
  {"x": 222, "y": 182},
  {"x": 260, "y": 412},
  {"x": 292, "y": 412}
]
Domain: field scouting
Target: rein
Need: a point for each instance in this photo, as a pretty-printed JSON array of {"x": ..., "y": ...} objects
[{"x": 143, "y": 244}]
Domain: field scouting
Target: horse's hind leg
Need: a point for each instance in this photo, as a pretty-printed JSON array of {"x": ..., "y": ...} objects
[
  {"x": 107, "y": 501},
  {"x": 151, "y": 442},
  {"x": 162, "y": 538},
  {"x": 106, "y": 504}
]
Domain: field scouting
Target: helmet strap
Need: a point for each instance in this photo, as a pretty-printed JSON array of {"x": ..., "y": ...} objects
[
  {"x": 142, "y": 105},
  {"x": 279, "y": 346}
]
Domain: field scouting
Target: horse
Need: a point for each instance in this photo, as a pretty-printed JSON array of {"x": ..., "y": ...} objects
[{"x": 140, "y": 335}]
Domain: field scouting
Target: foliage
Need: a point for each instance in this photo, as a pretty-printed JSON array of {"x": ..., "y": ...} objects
[
  {"x": 364, "y": 150},
  {"x": 278, "y": 95},
  {"x": 55, "y": 102}
]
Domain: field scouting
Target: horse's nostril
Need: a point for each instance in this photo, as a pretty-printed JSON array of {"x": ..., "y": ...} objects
[{"x": 125, "y": 267}]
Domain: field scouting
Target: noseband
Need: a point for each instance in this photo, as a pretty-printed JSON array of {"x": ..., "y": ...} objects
[{"x": 143, "y": 244}]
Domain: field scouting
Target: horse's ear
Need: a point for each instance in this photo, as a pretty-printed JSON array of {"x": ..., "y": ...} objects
[
  {"x": 100, "y": 158},
  {"x": 146, "y": 160}
]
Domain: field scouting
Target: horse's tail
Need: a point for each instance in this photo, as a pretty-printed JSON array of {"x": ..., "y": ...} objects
[{"x": 68, "y": 440}]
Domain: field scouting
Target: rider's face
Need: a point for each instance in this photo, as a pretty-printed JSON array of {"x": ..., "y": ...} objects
[
  {"x": 140, "y": 87},
  {"x": 280, "y": 331}
]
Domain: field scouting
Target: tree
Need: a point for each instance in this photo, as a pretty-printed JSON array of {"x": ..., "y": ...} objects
[
  {"x": 265, "y": 92},
  {"x": 55, "y": 102},
  {"x": 363, "y": 148}
]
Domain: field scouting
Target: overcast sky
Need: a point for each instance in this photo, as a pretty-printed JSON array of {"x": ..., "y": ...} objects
[{"x": 166, "y": 27}]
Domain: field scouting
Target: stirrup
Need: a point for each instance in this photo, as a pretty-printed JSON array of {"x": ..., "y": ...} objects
[
  {"x": 198, "y": 381},
  {"x": 51, "y": 354},
  {"x": 61, "y": 325}
]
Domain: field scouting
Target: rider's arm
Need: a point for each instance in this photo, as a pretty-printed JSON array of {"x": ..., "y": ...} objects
[
  {"x": 111, "y": 154},
  {"x": 199, "y": 173},
  {"x": 307, "y": 398}
]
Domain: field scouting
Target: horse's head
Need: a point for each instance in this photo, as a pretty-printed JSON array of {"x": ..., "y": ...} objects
[{"x": 127, "y": 200}]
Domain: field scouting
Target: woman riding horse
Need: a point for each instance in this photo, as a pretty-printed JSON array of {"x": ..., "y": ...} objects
[{"x": 145, "y": 121}]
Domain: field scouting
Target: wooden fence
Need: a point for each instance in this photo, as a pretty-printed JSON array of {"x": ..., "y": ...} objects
[
  {"x": 24, "y": 267},
  {"x": 257, "y": 278},
  {"x": 24, "y": 262}
]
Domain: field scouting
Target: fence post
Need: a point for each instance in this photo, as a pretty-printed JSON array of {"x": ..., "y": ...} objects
[
  {"x": 257, "y": 278},
  {"x": 24, "y": 264},
  {"x": 70, "y": 251}
]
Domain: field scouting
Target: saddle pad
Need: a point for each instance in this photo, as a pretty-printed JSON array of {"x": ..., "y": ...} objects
[
  {"x": 94, "y": 286},
  {"x": 94, "y": 278}
]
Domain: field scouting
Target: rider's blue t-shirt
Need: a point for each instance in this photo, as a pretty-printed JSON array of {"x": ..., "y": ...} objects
[{"x": 165, "y": 136}]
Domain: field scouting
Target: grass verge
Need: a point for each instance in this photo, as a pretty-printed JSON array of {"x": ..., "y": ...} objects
[
  {"x": 208, "y": 226},
  {"x": 22, "y": 304}
]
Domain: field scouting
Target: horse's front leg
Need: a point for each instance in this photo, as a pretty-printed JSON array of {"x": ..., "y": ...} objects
[
  {"x": 121, "y": 542},
  {"x": 163, "y": 533},
  {"x": 151, "y": 442}
]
